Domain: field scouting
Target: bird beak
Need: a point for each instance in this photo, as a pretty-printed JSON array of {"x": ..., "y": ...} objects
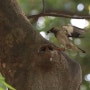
[
  {"x": 47, "y": 32},
  {"x": 50, "y": 31}
]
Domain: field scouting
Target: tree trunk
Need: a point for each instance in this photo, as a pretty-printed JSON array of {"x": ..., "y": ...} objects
[{"x": 28, "y": 61}]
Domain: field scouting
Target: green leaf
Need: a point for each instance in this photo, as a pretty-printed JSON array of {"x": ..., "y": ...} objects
[
  {"x": 1, "y": 88},
  {"x": 1, "y": 78},
  {"x": 8, "y": 86}
]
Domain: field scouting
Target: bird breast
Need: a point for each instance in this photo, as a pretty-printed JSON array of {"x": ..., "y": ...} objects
[{"x": 62, "y": 38}]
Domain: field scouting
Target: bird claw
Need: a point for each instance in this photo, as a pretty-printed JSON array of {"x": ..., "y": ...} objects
[
  {"x": 61, "y": 49},
  {"x": 50, "y": 47}
]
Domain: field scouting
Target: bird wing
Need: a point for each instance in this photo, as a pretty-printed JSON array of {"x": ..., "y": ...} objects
[{"x": 78, "y": 30}]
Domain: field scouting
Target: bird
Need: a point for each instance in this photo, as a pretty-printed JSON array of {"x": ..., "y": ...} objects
[
  {"x": 64, "y": 39},
  {"x": 73, "y": 31}
]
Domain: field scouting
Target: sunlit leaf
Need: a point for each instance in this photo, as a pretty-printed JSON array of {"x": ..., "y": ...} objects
[
  {"x": 8, "y": 86},
  {"x": 1, "y": 88}
]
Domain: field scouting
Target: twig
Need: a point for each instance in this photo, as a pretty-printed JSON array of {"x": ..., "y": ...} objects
[{"x": 64, "y": 15}]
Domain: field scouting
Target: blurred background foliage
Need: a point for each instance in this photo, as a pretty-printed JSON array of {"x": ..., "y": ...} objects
[{"x": 44, "y": 23}]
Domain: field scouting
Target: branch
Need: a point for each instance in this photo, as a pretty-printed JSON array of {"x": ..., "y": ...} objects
[{"x": 64, "y": 15}]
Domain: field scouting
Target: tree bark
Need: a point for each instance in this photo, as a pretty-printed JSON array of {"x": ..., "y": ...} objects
[{"x": 26, "y": 60}]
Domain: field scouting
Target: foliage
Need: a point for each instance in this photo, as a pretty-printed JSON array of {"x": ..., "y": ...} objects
[{"x": 4, "y": 85}]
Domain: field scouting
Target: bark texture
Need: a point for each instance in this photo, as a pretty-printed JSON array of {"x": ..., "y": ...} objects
[{"x": 25, "y": 61}]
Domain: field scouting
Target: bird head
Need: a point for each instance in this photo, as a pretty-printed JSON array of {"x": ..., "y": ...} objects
[
  {"x": 67, "y": 26},
  {"x": 53, "y": 30}
]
